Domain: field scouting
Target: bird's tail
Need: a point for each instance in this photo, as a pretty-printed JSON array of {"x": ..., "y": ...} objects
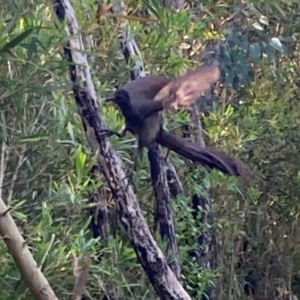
[{"x": 208, "y": 157}]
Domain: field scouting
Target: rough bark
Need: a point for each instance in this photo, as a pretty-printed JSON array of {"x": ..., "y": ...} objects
[
  {"x": 99, "y": 212},
  {"x": 31, "y": 273},
  {"x": 128, "y": 44},
  {"x": 164, "y": 212},
  {"x": 100, "y": 228},
  {"x": 81, "y": 277},
  {"x": 174, "y": 183},
  {"x": 150, "y": 256}
]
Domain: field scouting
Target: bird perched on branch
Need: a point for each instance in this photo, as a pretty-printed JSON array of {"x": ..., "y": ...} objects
[{"x": 141, "y": 101}]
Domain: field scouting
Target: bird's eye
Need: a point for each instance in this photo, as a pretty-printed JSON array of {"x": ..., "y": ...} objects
[{"x": 118, "y": 98}]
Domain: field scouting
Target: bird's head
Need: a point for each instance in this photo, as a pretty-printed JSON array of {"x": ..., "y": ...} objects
[{"x": 121, "y": 98}]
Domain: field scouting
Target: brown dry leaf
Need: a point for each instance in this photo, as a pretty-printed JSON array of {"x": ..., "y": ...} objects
[{"x": 104, "y": 11}]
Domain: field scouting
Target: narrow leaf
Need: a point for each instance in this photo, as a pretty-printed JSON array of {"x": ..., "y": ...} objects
[
  {"x": 17, "y": 40},
  {"x": 255, "y": 52}
]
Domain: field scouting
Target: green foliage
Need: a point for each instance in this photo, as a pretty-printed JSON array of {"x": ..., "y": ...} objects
[{"x": 47, "y": 161}]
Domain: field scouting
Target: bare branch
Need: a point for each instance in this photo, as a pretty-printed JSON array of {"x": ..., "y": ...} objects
[
  {"x": 30, "y": 271},
  {"x": 149, "y": 254},
  {"x": 158, "y": 167},
  {"x": 4, "y": 153},
  {"x": 164, "y": 211},
  {"x": 128, "y": 44},
  {"x": 81, "y": 277},
  {"x": 21, "y": 159}
]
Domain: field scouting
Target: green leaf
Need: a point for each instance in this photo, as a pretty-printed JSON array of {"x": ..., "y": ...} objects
[
  {"x": 80, "y": 160},
  {"x": 34, "y": 138},
  {"x": 16, "y": 13},
  {"x": 19, "y": 204},
  {"x": 255, "y": 52},
  {"x": 20, "y": 216},
  {"x": 71, "y": 132},
  {"x": 16, "y": 41},
  {"x": 277, "y": 6},
  {"x": 269, "y": 51}
]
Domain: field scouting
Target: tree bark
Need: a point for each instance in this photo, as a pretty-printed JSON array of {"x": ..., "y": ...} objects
[
  {"x": 150, "y": 256},
  {"x": 164, "y": 212},
  {"x": 31, "y": 273}
]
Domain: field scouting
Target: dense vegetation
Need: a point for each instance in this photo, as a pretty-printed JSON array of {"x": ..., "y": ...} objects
[{"x": 45, "y": 161}]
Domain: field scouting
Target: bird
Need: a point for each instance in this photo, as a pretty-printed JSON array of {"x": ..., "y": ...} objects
[{"x": 141, "y": 102}]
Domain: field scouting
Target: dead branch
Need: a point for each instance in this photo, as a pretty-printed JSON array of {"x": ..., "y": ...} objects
[
  {"x": 31, "y": 273},
  {"x": 164, "y": 212},
  {"x": 148, "y": 253}
]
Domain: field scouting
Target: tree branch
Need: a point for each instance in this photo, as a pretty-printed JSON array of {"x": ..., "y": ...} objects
[
  {"x": 164, "y": 211},
  {"x": 148, "y": 253},
  {"x": 31, "y": 274}
]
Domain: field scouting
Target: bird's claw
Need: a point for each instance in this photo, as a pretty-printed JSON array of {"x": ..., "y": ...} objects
[{"x": 106, "y": 133}]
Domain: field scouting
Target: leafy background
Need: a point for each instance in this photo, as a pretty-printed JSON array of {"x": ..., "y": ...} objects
[{"x": 45, "y": 160}]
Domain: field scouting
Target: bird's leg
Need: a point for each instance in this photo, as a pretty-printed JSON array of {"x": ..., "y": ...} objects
[
  {"x": 137, "y": 160},
  {"x": 106, "y": 133},
  {"x": 130, "y": 174},
  {"x": 138, "y": 157}
]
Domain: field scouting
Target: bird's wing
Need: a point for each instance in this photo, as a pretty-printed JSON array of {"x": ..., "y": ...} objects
[
  {"x": 142, "y": 92},
  {"x": 186, "y": 89},
  {"x": 146, "y": 87}
]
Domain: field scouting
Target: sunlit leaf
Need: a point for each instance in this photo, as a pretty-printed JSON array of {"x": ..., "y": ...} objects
[
  {"x": 257, "y": 26},
  {"x": 80, "y": 161},
  {"x": 264, "y": 20},
  {"x": 276, "y": 44},
  {"x": 34, "y": 138}
]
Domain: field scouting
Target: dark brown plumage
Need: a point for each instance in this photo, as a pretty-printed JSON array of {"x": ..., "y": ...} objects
[{"x": 141, "y": 101}]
